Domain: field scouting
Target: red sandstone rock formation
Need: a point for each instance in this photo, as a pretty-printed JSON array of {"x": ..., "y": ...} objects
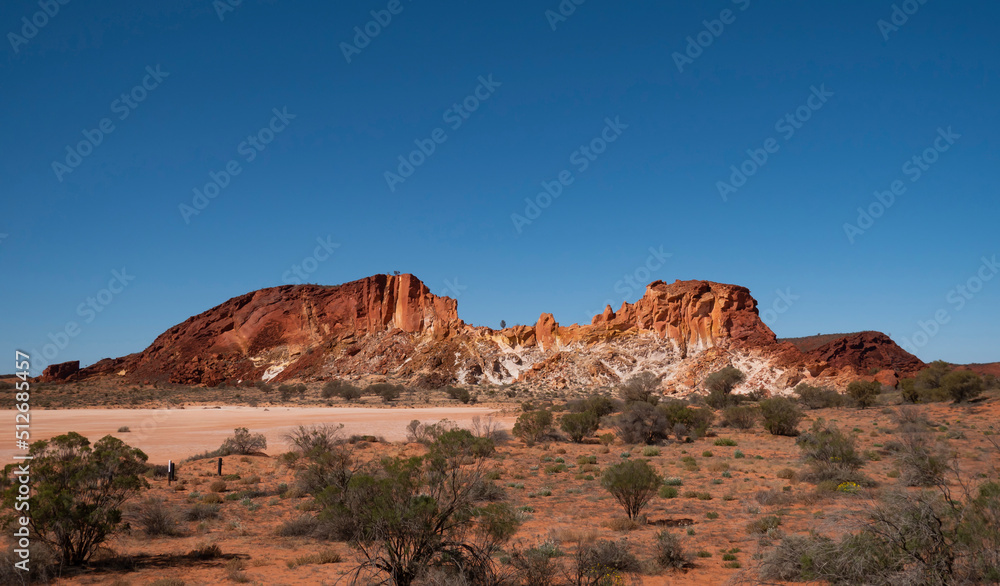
[
  {"x": 394, "y": 326},
  {"x": 60, "y": 372}
]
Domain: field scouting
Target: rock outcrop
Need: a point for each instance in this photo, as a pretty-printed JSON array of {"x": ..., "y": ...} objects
[
  {"x": 60, "y": 372},
  {"x": 392, "y": 325}
]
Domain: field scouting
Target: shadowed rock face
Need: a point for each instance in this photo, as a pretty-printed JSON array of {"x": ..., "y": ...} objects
[
  {"x": 60, "y": 372},
  {"x": 862, "y": 351},
  {"x": 394, "y": 326}
]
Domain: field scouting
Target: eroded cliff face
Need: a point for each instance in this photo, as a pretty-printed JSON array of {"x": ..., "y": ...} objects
[{"x": 392, "y": 325}]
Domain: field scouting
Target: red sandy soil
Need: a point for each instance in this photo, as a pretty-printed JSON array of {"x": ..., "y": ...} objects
[{"x": 577, "y": 507}]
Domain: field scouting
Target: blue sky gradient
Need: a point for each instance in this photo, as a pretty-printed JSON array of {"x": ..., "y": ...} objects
[{"x": 682, "y": 117}]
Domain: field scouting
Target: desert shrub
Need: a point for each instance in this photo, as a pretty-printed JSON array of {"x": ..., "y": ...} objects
[
  {"x": 643, "y": 387},
  {"x": 77, "y": 492},
  {"x": 342, "y": 389},
  {"x": 201, "y": 511},
  {"x": 864, "y": 393},
  {"x": 962, "y": 385},
  {"x": 633, "y": 483},
  {"x": 244, "y": 443},
  {"x": 919, "y": 464},
  {"x": 413, "y": 513},
  {"x": 781, "y": 416},
  {"x": 533, "y": 426},
  {"x": 490, "y": 428},
  {"x": 579, "y": 425},
  {"x": 156, "y": 519},
  {"x": 286, "y": 391},
  {"x": 763, "y": 525},
  {"x": 460, "y": 394},
  {"x": 720, "y": 385},
  {"x": 818, "y": 397},
  {"x": 388, "y": 392},
  {"x": 124, "y": 429},
  {"x": 830, "y": 454},
  {"x": 321, "y": 437},
  {"x": 740, "y": 416},
  {"x": 536, "y": 565},
  {"x": 910, "y": 420},
  {"x": 301, "y": 526},
  {"x": 641, "y": 423},
  {"x": 668, "y": 552},
  {"x": 208, "y": 551},
  {"x": 603, "y": 562},
  {"x": 217, "y": 486},
  {"x": 725, "y": 441},
  {"x": 43, "y": 566},
  {"x": 684, "y": 420},
  {"x": 599, "y": 405}
]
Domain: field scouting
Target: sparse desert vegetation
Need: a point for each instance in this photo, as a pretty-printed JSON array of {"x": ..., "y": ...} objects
[{"x": 592, "y": 489}]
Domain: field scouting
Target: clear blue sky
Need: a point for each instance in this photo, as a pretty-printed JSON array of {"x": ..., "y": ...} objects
[{"x": 322, "y": 175}]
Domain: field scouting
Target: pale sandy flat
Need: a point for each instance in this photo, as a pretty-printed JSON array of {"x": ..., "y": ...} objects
[{"x": 177, "y": 433}]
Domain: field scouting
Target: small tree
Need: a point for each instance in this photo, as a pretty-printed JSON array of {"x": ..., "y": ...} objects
[
  {"x": 77, "y": 492},
  {"x": 388, "y": 392},
  {"x": 579, "y": 425},
  {"x": 781, "y": 416},
  {"x": 532, "y": 426},
  {"x": 243, "y": 443},
  {"x": 720, "y": 387},
  {"x": 633, "y": 483},
  {"x": 643, "y": 387},
  {"x": 285, "y": 391},
  {"x": 831, "y": 454},
  {"x": 962, "y": 385},
  {"x": 864, "y": 393},
  {"x": 342, "y": 389},
  {"x": 503, "y": 324},
  {"x": 641, "y": 423},
  {"x": 458, "y": 393}
]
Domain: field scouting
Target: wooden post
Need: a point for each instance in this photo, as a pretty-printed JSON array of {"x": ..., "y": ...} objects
[
  {"x": 220, "y": 467},
  {"x": 170, "y": 471}
]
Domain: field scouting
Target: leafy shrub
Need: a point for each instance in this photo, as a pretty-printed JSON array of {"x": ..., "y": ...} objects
[
  {"x": 458, "y": 394},
  {"x": 599, "y": 405},
  {"x": 75, "y": 519},
  {"x": 740, "y": 416},
  {"x": 864, "y": 393},
  {"x": 962, "y": 385},
  {"x": 156, "y": 519},
  {"x": 720, "y": 387},
  {"x": 641, "y": 422},
  {"x": 200, "y": 512},
  {"x": 818, "y": 397},
  {"x": 632, "y": 483},
  {"x": 579, "y": 425},
  {"x": 725, "y": 441},
  {"x": 533, "y": 426},
  {"x": 763, "y": 524},
  {"x": 244, "y": 443},
  {"x": 603, "y": 562},
  {"x": 695, "y": 422},
  {"x": 342, "y": 389},
  {"x": 315, "y": 438},
  {"x": 643, "y": 387},
  {"x": 830, "y": 454},
  {"x": 388, "y": 392},
  {"x": 919, "y": 464},
  {"x": 781, "y": 416}
]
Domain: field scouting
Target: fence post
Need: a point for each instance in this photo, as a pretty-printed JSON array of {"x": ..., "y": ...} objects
[{"x": 220, "y": 467}]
